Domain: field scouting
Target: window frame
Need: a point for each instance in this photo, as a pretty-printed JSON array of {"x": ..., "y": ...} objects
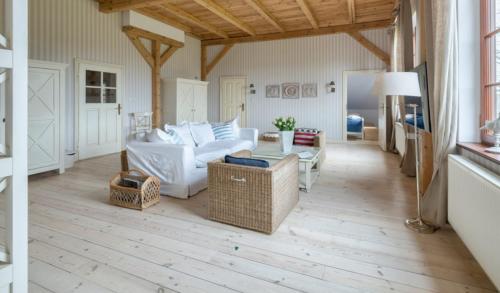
[{"x": 487, "y": 53}]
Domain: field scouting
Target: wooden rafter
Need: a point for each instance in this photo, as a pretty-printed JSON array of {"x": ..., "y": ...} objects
[
  {"x": 371, "y": 47},
  {"x": 262, "y": 10},
  {"x": 352, "y": 11},
  {"x": 224, "y": 14},
  {"x": 192, "y": 19},
  {"x": 138, "y": 32},
  {"x": 142, "y": 50},
  {"x": 346, "y": 28},
  {"x": 219, "y": 57},
  {"x": 160, "y": 17},
  {"x": 167, "y": 54},
  {"x": 109, "y": 6},
  {"x": 304, "y": 6}
]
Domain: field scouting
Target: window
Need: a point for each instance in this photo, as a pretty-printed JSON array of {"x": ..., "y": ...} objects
[
  {"x": 100, "y": 87},
  {"x": 490, "y": 61}
]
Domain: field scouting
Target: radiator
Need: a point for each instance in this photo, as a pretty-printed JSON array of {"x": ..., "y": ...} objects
[
  {"x": 400, "y": 138},
  {"x": 474, "y": 211}
]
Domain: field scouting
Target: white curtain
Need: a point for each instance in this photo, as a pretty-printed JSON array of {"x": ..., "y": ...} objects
[{"x": 444, "y": 105}]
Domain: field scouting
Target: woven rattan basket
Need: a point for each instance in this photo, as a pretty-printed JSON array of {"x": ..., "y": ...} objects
[{"x": 133, "y": 198}]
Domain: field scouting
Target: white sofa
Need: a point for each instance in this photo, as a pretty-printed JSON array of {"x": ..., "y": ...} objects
[{"x": 182, "y": 169}]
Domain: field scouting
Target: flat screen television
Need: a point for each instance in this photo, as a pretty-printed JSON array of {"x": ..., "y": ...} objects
[{"x": 423, "y": 110}]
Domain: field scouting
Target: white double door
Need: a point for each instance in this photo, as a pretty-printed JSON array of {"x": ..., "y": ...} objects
[
  {"x": 99, "y": 110},
  {"x": 192, "y": 101}
]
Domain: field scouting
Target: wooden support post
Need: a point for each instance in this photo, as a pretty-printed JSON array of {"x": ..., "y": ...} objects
[
  {"x": 155, "y": 87},
  {"x": 203, "y": 62}
]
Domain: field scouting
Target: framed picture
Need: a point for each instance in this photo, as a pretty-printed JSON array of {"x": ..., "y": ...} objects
[
  {"x": 290, "y": 90},
  {"x": 273, "y": 91},
  {"x": 310, "y": 90}
]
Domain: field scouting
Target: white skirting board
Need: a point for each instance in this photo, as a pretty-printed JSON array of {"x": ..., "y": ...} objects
[{"x": 474, "y": 211}]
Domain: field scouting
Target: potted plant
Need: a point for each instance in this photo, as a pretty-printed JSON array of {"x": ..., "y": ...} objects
[{"x": 286, "y": 128}]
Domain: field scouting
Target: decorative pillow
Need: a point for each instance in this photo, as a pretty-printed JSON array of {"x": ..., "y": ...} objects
[
  {"x": 234, "y": 126},
  {"x": 305, "y": 136},
  {"x": 202, "y": 133},
  {"x": 246, "y": 162},
  {"x": 183, "y": 132},
  {"x": 158, "y": 135},
  {"x": 223, "y": 131}
]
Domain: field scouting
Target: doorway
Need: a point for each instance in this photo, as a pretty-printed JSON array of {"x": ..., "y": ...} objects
[
  {"x": 98, "y": 90},
  {"x": 362, "y": 115},
  {"x": 233, "y": 98}
]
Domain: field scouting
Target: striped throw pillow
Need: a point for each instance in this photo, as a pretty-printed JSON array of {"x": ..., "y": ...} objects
[
  {"x": 305, "y": 136},
  {"x": 223, "y": 131},
  {"x": 174, "y": 136}
]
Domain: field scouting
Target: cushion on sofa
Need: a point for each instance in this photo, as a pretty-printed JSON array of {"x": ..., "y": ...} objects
[
  {"x": 202, "y": 133},
  {"x": 305, "y": 136},
  {"x": 183, "y": 132},
  {"x": 223, "y": 131},
  {"x": 246, "y": 162},
  {"x": 158, "y": 135},
  {"x": 234, "y": 125}
]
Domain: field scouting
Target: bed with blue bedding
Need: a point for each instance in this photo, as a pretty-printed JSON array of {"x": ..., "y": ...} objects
[
  {"x": 355, "y": 125},
  {"x": 410, "y": 120}
]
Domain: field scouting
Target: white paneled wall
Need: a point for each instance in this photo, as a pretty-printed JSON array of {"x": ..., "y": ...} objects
[
  {"x": 319, "y": 59},
  {"x": 62, "y": 30}
]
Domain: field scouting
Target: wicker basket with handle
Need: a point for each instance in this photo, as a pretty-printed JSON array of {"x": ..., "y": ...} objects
[{"x": 134, "y": 198}]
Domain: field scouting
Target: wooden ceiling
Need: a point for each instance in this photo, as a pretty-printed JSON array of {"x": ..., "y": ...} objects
[{"x": 232, "y": 21}]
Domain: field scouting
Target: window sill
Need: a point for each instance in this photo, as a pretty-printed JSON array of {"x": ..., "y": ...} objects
[{"x": 480, "y": 149}]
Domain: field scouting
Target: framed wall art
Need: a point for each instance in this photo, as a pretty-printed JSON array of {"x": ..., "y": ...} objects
[
  {"x": 273, "y": 91},
  {"x": 290, "y": 90},
  {"x": 310, "y": 90}
]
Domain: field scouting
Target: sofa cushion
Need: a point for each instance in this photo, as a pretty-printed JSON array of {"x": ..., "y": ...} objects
[
  {"x": 223, "y": 131},
  {"x": 218, "y": 149},
  {"x": 183, "y": 132},
  {"x": 158, "y": 135},
  {"x": 305, "y": 136},
  {"x": 202, "y": 133},
  {"x": 246, "y": 162}
]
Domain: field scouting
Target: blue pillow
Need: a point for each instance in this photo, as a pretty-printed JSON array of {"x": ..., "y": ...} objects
[
  {"x": 223, "y": 131},
  {"x": 246, "y": 162}
]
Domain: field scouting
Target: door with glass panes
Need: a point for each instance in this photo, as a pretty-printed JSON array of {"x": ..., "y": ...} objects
[{"x": 99, "y": 117}]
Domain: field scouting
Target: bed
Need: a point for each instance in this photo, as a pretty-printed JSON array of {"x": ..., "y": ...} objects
[{"x": 355, "y": 125}]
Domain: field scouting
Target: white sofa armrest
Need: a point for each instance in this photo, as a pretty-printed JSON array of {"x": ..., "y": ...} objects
[
  {"x": 170, "y": 162},
  {"x": 251, "y": 134}
]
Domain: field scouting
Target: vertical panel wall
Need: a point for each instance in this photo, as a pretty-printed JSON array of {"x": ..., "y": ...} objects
[
  {"x": 318, "y": 59},
  {"x": 62, "y": 30}
]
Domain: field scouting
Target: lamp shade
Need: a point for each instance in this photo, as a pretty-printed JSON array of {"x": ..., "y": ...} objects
[{"x": 397, "y": 84}]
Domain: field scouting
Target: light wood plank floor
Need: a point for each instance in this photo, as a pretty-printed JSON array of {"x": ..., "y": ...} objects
[{"x": 347, "y": 235}]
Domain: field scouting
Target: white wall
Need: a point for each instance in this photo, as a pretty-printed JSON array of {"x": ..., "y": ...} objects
[
  {"x": 318, "y": 59},
  {"x": 62, "y": 30}
]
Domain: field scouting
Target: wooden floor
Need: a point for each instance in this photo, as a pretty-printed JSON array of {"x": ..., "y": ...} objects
[{"x": 347, "y": 235}]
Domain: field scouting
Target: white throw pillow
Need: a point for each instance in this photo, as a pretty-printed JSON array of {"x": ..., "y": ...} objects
[
  {"x": 184, "y": 133},
  {"x": 202, "y": 133},
  {"x": 158, "y": 135}
]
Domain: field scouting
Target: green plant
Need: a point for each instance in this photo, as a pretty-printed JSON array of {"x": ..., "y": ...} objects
[{"x": 283, "y": 124}]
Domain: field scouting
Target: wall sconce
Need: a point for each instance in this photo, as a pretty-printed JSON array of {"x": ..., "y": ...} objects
[
  {"x": 252, "y": 89},
  {"x": 330, "y": 88}
]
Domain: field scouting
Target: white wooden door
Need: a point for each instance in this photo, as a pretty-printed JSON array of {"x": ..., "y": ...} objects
[
  {"x": 100, "y": 122},
  {"x": 233, "y": 98},
  {"x": 185, "y": 96},
  {"x": 382, "y": 112},
  {"x": 43, "y": 119},
  {"x": 200, "y": 103}
]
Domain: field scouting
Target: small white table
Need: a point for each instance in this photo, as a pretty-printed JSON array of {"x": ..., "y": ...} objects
[{"x": 308, "y": 170}]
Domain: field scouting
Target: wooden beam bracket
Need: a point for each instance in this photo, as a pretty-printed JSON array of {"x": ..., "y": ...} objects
[
  {"x": 381, "y": 54},
  {"x": 138, "y": 32}
]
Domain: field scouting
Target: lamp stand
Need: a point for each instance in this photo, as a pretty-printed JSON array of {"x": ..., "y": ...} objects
[{"x": 417, "y": 224}]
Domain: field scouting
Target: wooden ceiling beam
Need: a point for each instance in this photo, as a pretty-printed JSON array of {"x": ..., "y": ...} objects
[
  {"x": 192, "y": 19},
  {"x": 219, "y": 57},
  {"x": 346, "y": 28},
  {"x": 123, "y": 5},
  {"x": 262, "y": 10},
  {"x": 381, "y": 54},
  {"x": 304, "y": 6},
  {"x": 137, "y": 32},
  {"x": 167, "y": 54},
  {"x": 160, "y": 17},
  {"x": 352, "y": 11},
  {"x": 224, "y": 14}
]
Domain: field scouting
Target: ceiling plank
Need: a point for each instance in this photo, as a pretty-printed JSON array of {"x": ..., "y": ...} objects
[
  {"x": 122, "y": 5},
  {"x": 302, "y": 33},
  {"x": 352, "y": 11},
  {"x": 167, "y": 54},
  {"x": 262, "y": 10},
  {"x": 135, "y": 31},
  {"x": 308, "y": 13},
  {"x": 222, "y": 13},
  {"x": 381, "y": 54},
  {"x": 142, "y": 50},
  {"x": 192, "y": 19},
  {"x": 160, "y": 17},
  {"x": 219, "y": 57}
]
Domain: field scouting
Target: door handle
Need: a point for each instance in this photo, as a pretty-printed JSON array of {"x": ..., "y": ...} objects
[
  {"x": 238, "y": 179},
  {"x": 119, "y": 108}
]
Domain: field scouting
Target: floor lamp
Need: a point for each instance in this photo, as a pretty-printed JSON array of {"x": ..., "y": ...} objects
[{"x": 406, "y": 84}]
